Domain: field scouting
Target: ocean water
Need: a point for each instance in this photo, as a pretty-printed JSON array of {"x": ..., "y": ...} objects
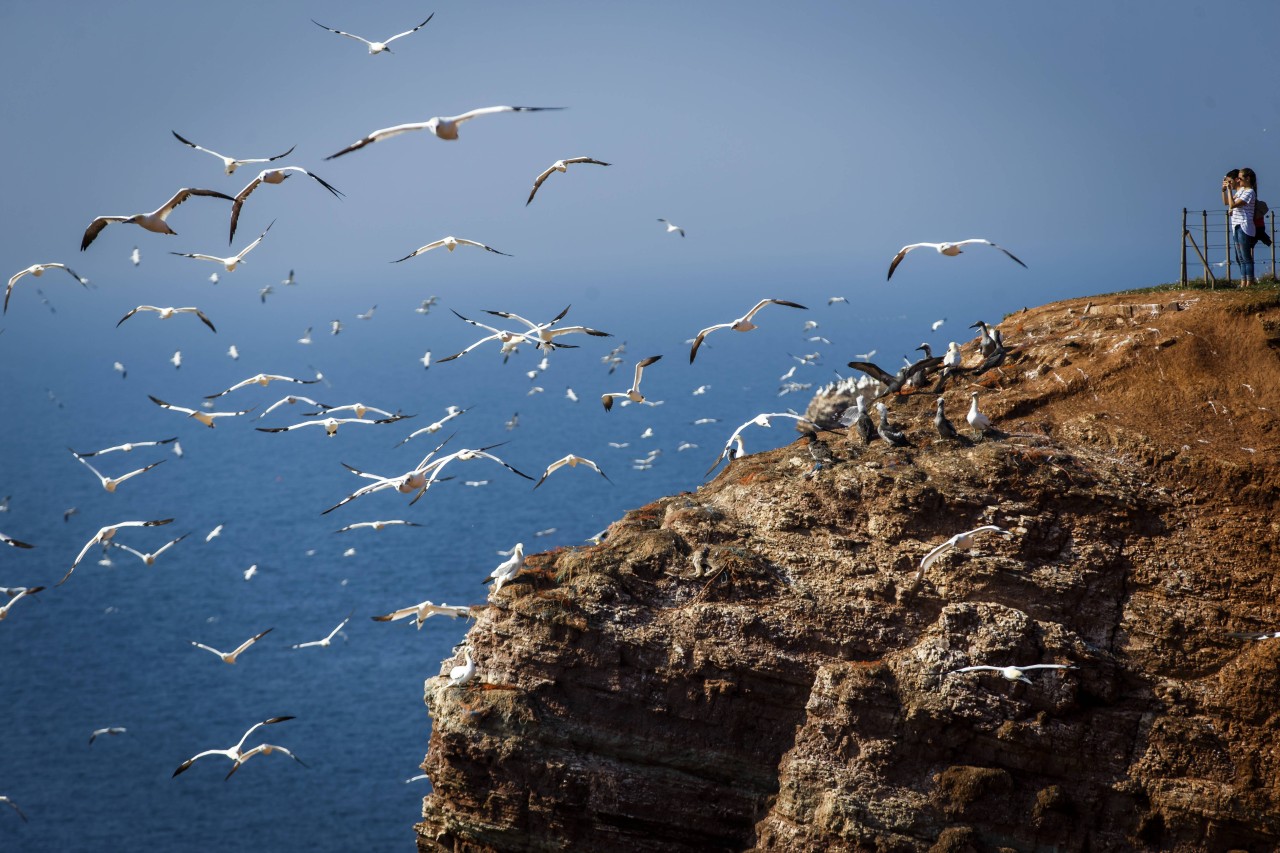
[{"x": 112, "y": 646}]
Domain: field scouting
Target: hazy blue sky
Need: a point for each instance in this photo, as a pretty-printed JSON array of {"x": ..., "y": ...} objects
[{"x": 799, "y": 146}]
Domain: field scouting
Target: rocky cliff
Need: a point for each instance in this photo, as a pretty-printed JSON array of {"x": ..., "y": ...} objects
[{"x": 761, "y": 664}]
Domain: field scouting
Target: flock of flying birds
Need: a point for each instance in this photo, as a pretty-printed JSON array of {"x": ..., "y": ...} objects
[{"x": 514, "y": 332}]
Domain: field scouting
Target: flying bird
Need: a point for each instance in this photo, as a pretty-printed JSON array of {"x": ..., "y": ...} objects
[
  {"x": 573, "y": 461},
  {"x": 109, "y": 484},
  {"x": 424, "y": 611},
  {"x": 544, "y": 335},
  {"x": 6, "y": 800},
  {"x": 672, "y": 227},
  {"x": 206, "y": 418},
  {"x": 324, "y": 644},
  {"x": 451, "y": 412},
  {"x": 734, "y": 447},
  {"x": 960, "y": 540},
  {"x": 263, "y": 379},
  {"x": 1013, "y": 673},
  {"x": 948, "y": 249},
  {"x": 230, "y": 657},
  {"x": 273, "y": 176},
  {"x": 4, "y": 611},
  {"x": 235, "y": 753},
  {"x": 742, "y": 324},
  {"x": 127, "y": 447},
  {"x": 168, "y": 313},
  {"x": 110, "y": 730},
  {"x": 376, "y": 47},
  {"x": 509, "y": 340},
  {"x": 443, "y": 127},
  {"x": 14, "y": 543},
  {"x": 449, "y": 243},
  {"x": 633, "y": 393},
  {"x": 331, "y": 425},
  {"x": 153, "y": 221},
  {"x": 37, "y": 270},
  {"x": 103, "y": 536},
  {"x": 150, "y": 559},
  {"x": 562, "y": 166},
  {"x": 378, "y": 525},
  {"x": 232, "y": 262},
  {"x": 231, "y": 163}
]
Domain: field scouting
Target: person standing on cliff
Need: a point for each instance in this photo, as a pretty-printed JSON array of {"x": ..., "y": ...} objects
[{"x": 1239, "y": 191}]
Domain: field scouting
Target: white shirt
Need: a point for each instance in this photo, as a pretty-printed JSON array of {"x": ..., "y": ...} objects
[{"x": 1243, "y": 215}]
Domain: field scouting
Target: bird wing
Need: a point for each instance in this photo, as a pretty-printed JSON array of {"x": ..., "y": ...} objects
[
  {"x": 341, "y": 33},
  {"x": 481, "y": 246},
  {"x": 378, "y": 135},
  {"x": 467, "y": 116},
  {"x": 977, "y": 668},
  {"x": 256, "y": 726},
  {"x": 238, "y": 202},
  {"x": 409, "y": 32},
  {"x": 764, "y": 302},
  {"x": 697, "y": 342},
  {"x": 95, "y": 228},
  {"x": 249, "y": 248},
  {"x": 193, "y": 759},
  {"x": 427, "y": 248},
  {"x": 249, "y": 642},
  {"x": 537, "y": 182},
  {"x": 1047, "y": 666},
  {"x": 873, "y": 370},
  {"x": 932, "y": 556},
  {"x": 507, "y": 315},
  {"x": 162, "y": 404},
  {"x": 206, "y": 648},
  {"x": 902, "y": 253},
  {"x": 202, "y": 317},
  {"x": 170, "y": 544},
  {"x": 199, "y": 257},
  {"x": 197, "y": 147},
  {"x": 135, "y": 473},
  {"x": 337, "y": 193},
  {"x": 396, "y": 615},
  {"x": 640, "y": 366},
  {"x": 182, "y": 195}
]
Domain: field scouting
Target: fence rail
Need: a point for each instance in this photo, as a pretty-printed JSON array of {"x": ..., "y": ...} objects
[{"x": 1206, "y": 247}]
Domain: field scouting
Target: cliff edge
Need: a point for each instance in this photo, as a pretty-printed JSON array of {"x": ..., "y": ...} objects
[{"x": 761, "y": 664}]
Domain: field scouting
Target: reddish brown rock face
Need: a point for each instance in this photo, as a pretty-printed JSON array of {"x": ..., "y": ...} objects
[{"x": 761, "y": 666}]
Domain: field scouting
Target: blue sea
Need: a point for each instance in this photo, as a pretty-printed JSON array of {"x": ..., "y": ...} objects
[{"x": 113, "y": 645}]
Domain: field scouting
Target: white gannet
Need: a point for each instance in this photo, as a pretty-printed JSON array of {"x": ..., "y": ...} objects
[
  {"x": 214, "y": 533},
  {"x": 424, "y": 611},
  {"x": 672, "y": 227},
  {"x": 734, "y": 447},
  {"x": 742, "y": 324},
  {"x": 451, "y": 412},
  {"x": 37, "y": 270},
  {"x": 1013, "y": 673},
  {"x": 559, "y": 166},
  {"x": 103, "y": 536},
  {"x": 4, "y": 611},
  {"x": 573, "y": 461},
  {"x": 509, "y": 340},
  {"x": 544, "y": 334},
  {"x": 306, "y": 336},
  {"x": 153, "y": 221},
  {"x": 1254, "y": 635},
  {"x": 273, "y": 176},
  {"x": 331, "y": 425},
  {"x": 378, "y": 525},
  {"x": 948, "y": 249},
  {"x": 109, "y": 484},
  {"x": 507, "y": 569},
  {"x": 109, "y": 730},
  {"x": 233, "y": 352},
  {"x": 367, "y": 315},
  {"x": 443, "y": 127},
  {"x": 235, "y": 753},
  {"x": 232, "y": 262},
  {"x": 230, "y": 657},
  {"x": 327, "y": 640},
  {"x": 127, "y": 447},
  {"x": 150, "y": 559},
  {"x": 633, "y": 393},
  {"x": 261, "y": 749},
  {"x": 433, "y": 468},
  {"x": 206, "y": 418},
  {"x": 375, "y": 47},
  {"x": 979, "y": 421},
  {"x": 262, "y": 379},
  {"x": 960, "y": 540},
  {"x": 449, "y": 243},
  {"x": 14, "y": 543},
  {"x": 231, "y": 163},
  {"x": 169, "y": 313},
  {"x": 460, "y": 675},
  {"x": 357, "y": 409},
  {"x": 290, "y": 400}
]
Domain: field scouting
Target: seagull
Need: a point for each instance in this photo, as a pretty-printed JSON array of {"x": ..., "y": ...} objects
[
  {"x": 235, "y": 753},
  {"x": 231, "y": 163},
  {"x": 449, "y": 243},
  {"x": 263, "y": 379},
  {"x": 110, "y": 730},
  {"x": 230, "y": 657},
  {"x": 507, "y": 569},
  {"x": 633, "y": 393},
  {"x": 563, "y": 166},
  {"x": 1013, "y": 673},
  {"x": 109, "y": 484},
  {"x": 375, "y": 47},
  {"x": 232, "y": 262},
  {"x": 14, "y": 543},
  {"x": 733, "y": 448},
  {"x": 960, "y": 540},
  {"x": 377, "y": 525},
  {"x": 979, "y": 421},
  {"x": 888, "y": 434},
  {"x": 460, "y": 675},
  {"x": 948, "y": 249},
  {"x": 206, "y": 418},
  {"x": 5, "y": 799},
  {"x": 326, "y": 641},
  {"x": 573, "y": 461},
  {"x": 357, "y": 409},
  {"x": 127, "y": 447},
  {"x": 103, "y": 536},
  {"x": 273, "y": 176},
  {"x": 150, "y": 559},
  {"x": 450, "y": 413},
  {"x": 742, "y": 324},
  {"x": 509, "y": 340},
  {"x": 153, "y": 221},
  {"x": 331, "y": 424},
  {"x": 37, "y": 270},
  {"x": 544, "y": 335},
  {"x": 424, "y": 611},
  {"x": 444, "y": 127},
  {"x": 4, "y": 611},
  {"x": 671, "y": 227},
  {"x": 168, "y": 313}
]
